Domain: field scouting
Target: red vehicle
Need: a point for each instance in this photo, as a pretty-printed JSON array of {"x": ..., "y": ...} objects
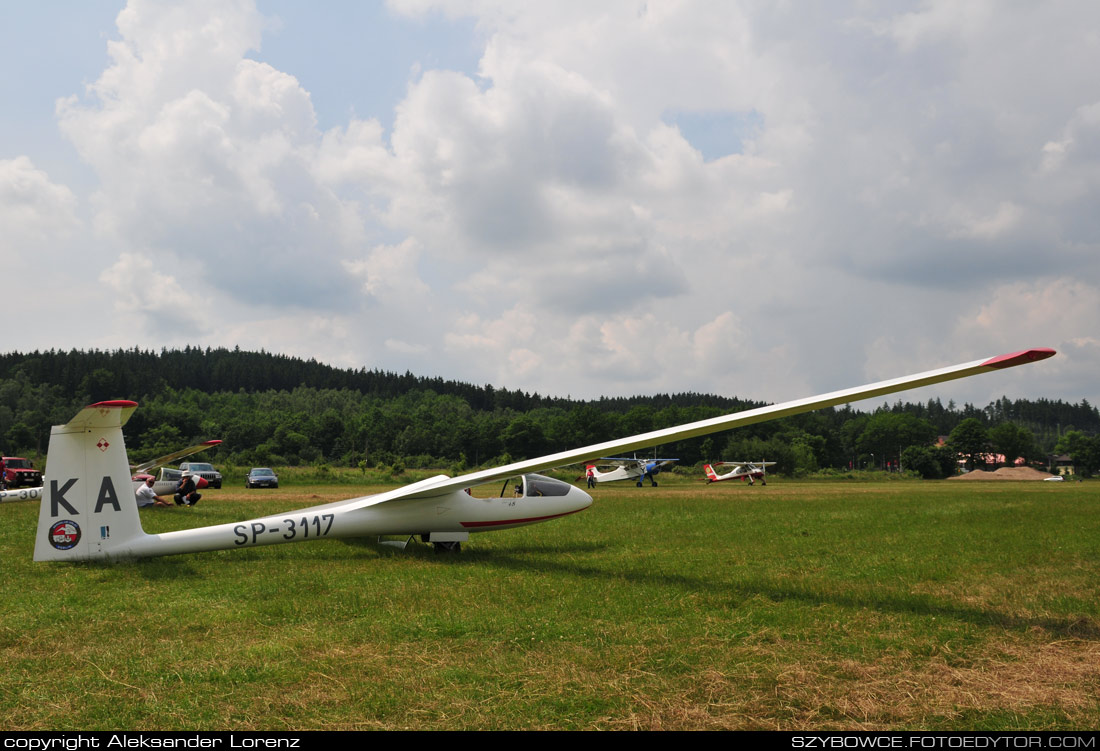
[{"x": 19, "y": 472}]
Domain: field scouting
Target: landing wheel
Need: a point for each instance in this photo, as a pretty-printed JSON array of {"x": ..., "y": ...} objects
[
  {"x": 639, "y": 483},
  {"x": 654, "y": 483},
  {"x": 447, "y": 547},
  {"x": 763, "y": 482}
]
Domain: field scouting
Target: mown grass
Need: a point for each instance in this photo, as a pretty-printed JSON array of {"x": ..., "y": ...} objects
[{"x": 915, "y": 605}]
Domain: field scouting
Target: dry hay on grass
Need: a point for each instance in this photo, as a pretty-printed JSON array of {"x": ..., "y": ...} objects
[
  {"x": 1005, "y": 473},
  {"x": 1018, "y": 677}
]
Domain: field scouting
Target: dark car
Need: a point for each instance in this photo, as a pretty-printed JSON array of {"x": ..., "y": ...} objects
[
  {"x": 19, "y": 472},
  {"x": 261, "y": 477},
  {"x": 205, "y": 471}
]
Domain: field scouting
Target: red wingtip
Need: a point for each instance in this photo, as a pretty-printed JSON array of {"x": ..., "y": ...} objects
[
  {"x": 1019, "y": 358},
  {"x": 115, "y": 403},
  {"x": 211, "y": 443}
]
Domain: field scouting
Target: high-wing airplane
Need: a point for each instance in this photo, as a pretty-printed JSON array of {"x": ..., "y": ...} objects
[
  {"x": 750, "y": 471},
  {"x": 89, "y": 512},
  {"x": 631, "y": 468},
  {"x": 165, "y": 482}
]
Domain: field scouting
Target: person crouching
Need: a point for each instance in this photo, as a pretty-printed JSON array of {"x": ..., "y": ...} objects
[{"x": 187, "y": 491}]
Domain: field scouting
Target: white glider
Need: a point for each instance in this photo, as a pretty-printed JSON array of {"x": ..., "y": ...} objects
[{"x": 89, "y": 511}]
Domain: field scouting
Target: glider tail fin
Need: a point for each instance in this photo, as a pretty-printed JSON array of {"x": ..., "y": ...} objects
[
  {"x": 711, "y": 474},
  {"x": 88, "y": 510}
]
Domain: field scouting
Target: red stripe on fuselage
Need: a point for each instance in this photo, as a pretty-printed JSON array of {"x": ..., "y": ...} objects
[{"x": 530, "y": 520}]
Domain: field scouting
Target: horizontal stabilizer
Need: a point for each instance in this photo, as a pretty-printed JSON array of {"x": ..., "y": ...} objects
[{"x": 101, "y": 416}]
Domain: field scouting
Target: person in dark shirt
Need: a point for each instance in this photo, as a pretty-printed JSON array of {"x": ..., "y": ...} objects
[{"x": 186, "y": 494}]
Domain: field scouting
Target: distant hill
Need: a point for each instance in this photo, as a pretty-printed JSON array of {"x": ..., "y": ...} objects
[{"x": 272, "y": 408}]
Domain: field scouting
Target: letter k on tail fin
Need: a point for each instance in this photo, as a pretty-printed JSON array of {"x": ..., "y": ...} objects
[{"x": 88, "y": 510}]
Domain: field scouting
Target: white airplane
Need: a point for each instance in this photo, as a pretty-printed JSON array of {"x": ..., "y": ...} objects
[
  {"x": 89, "y": 512},
  {"x": 631, "y": 468},
  {"x": 165, "y": 483},
  {"x": 750, "y": 471}
]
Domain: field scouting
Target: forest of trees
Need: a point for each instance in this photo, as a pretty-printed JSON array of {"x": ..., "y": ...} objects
[{"x": 277, "y": 410}]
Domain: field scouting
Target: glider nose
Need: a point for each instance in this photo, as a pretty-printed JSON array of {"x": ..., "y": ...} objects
[
  {"x": 579, "y": 499},
  {"x": 200, "y": 483}
]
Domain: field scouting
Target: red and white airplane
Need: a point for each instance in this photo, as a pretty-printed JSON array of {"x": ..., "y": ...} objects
[
  {"x": 89, "y": 512},
  {"x": 164, "y": 483},
  {"x": 750, "y": 471}
]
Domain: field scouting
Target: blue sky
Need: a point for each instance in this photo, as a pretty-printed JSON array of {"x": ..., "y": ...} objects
[
  {"x": 750, "y": 200},
  {"x": 369, "y": 54},
  {"x": 48, "y": 50}
]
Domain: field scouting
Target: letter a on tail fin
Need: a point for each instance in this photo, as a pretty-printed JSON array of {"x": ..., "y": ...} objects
[{"x": 88, "y": 510}]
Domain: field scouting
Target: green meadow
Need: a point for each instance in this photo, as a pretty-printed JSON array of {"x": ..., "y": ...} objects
[{"x": 800, "y": 605}]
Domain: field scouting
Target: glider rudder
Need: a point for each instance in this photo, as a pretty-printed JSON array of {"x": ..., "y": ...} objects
[{"x": 88, "y": 509}]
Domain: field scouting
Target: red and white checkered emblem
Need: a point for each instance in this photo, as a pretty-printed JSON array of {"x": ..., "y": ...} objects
[{"x": 102, "y": 444}]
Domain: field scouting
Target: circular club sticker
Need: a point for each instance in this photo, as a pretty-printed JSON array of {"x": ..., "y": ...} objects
[{"x": 65, "y": 534}]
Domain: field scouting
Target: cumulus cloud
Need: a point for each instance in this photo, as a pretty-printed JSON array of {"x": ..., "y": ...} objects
[
  {"x": 35, "y": 213},
  {"x": 154, "y": 301},
  {"x": 542, "y": 223},
  {"x": 206, "y": 155}
]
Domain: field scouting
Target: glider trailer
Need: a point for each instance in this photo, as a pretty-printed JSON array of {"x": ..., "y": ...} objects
[{"x": 89, "y": 512}]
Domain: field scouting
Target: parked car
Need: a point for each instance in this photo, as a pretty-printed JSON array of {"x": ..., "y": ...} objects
[
  {"x": 261, "y": 477},
  {"x": 205, "y": 471},
  {"x": 19, "y": 472}
]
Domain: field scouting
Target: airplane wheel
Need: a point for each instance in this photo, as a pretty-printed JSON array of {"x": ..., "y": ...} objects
[
  {"x": 448, "y": 547},
  {"x": 654, "y": 484},
  {"x": 763, "y": 482},
  {"x": 639, "y": 483}
]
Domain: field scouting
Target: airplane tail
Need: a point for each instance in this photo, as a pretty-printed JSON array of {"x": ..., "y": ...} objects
[
  {"x": 88, "y": 510},
  {"x": 710, "y": 473}
]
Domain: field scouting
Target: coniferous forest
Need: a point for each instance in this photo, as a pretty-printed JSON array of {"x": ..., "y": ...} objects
[{"x": 276, "y": 410}]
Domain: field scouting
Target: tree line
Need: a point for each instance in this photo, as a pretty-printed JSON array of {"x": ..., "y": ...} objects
[{"x": 272, "y": 409}]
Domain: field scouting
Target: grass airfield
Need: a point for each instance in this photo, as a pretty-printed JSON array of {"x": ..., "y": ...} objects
[{"x": 800, "y": 605}]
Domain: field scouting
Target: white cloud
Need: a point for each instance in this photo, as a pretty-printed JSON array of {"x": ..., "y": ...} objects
[
  {"x": 389, "y": 274},
  {"x": 35, "y": 213},
  {"x": 1006, "y": 218},
  {"x": 539, "y": 225},
  {"x": 156, "y": 301},
  {"x": 1061, "y": 313}
]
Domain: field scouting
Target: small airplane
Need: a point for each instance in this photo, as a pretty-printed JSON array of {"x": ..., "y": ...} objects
[
  {"x": 165, "y": 482},
  {"x": 750, "y": 471},
  {"x": 631, "y": 468},
  {"x": 89, "y": 513}
]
